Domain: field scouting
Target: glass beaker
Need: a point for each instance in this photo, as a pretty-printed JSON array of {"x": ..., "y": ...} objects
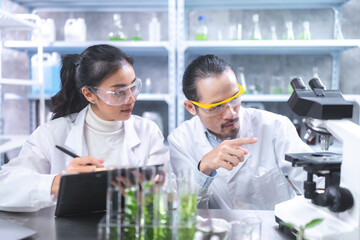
[
  {"x": 157, "y": 204},
  {"x": 186, "y": 205}
]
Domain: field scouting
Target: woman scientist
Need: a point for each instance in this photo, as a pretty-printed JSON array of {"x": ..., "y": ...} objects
[{"x": 91, "y": 116}]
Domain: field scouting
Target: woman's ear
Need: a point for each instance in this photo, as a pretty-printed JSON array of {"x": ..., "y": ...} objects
[
  {"x": 89, "y": 95},
  {"x": 190, "y": 107}
]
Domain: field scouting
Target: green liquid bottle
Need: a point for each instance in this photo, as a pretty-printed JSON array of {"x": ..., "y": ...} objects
[{"x": 202, "y": 29}]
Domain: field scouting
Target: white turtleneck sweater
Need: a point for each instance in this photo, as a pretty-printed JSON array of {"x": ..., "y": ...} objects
[{"x": 104, "y": 139}]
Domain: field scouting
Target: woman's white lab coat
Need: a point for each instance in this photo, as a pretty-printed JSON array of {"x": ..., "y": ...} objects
[
  {"x": 256, "y": 183},
  {"x": 25, "y": 182}
]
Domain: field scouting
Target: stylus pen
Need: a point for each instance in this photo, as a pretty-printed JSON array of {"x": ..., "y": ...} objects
[
  {"x": 68, "y": 152},
  {"x": 74, "y": 155}
]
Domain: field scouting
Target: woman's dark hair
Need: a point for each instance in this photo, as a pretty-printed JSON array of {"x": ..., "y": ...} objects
[
  {"x": 89, "y": 68},
  {"x": 204, "y": 66}
]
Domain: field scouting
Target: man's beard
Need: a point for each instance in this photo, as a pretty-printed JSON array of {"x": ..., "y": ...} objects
[{"x": 233, "y": 131}]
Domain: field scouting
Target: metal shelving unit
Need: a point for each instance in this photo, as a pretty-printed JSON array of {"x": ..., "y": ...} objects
[
  {"x": 139, "y": 48},
  {"x": 19, "y": 22},
  {"x": 262, "y": 47}
]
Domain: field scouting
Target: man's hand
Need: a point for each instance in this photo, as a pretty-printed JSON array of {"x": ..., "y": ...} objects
[{"x": 227, "y": 155}]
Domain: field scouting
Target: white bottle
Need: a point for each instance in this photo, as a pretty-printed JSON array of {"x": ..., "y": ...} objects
[
  {"x": 148, "y": 85},
  {"x": 257, "y": 32},
  {"x": 154, "y": 29}
]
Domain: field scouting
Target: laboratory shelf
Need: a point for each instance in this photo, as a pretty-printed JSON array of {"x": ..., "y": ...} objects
[
  {"x": 93, "y": 5},
  {"x": 269, "y": 46},
  {"x": 139, "y": 48},
  {"x": 263, "y": 4},
  {"x": 12, "y": 21}
]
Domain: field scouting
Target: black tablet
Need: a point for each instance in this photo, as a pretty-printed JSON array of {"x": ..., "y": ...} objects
[
  {"x": 81, "y": 193},
  {"x": 85, "y": 193}
]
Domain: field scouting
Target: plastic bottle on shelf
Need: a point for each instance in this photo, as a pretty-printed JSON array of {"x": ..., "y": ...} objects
[
  {"x": 148, "y": 88},
  {"x": 315, "y": 72},
  {"x": 337, "y": 31},
  {"x": 241, "y": 77},
  {"x": 289, "y": 31},
  {"x": 201, "y": 33},
  {"x": 75, "y": 30},
  {"x": 154, "y": 29},
  {"x": 306, "y": 35},
  {"x": 137, "y": 36},
  {"x": 117, "y": 33},
  {"x": 256, "y": 28},
  {"x": 235, "y": 32},
  {"x": 273, "y": 33}
]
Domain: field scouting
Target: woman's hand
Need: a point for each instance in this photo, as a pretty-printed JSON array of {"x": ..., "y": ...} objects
[
  {"x": 84, "y": 164},
  {"x": 78, "y": 165}
]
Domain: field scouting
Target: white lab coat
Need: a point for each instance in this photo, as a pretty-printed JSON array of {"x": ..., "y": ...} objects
[
  {"x": 256, "y": 183},
  {"x": 25, "y": 182}
]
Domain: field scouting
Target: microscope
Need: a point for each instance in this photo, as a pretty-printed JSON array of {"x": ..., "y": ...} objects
[{"x": 326, "y": 113}]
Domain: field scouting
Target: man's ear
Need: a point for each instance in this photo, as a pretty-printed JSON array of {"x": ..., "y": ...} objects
[
  {"x": 190, "y": 107},
  {"x": 90, "y": 96}
]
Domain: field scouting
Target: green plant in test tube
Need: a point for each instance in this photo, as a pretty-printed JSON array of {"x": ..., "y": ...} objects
[
  {"x": 131, "y": 212},
  {"x": 186, "y": 218},
  {"x": 156, "y": 218}
]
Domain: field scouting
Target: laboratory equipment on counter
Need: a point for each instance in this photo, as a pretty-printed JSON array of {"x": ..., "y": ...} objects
[{"x": 338, "y": 203}]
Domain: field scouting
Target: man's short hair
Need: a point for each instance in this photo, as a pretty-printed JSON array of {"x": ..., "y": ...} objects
[{"x": 205, "y": 66}]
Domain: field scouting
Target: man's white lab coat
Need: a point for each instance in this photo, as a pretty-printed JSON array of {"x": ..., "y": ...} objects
[
  {"x": 25, "y": 182},
  {"x": 256, "y": 183}
]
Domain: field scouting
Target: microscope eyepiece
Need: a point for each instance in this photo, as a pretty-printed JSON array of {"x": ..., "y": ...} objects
[
  {"x": 297, "y": 83},
  {"x": 316, "y": 83}
]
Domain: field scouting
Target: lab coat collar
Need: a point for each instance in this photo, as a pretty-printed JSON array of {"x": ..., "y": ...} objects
[
  {"x": 131, "y": 140},
  {"x": 76, "y": 135},
  {"x": 201, "y": 140}
]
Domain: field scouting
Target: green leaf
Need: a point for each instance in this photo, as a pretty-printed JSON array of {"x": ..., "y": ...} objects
[
  {"x": 290, "y": 225},
  {"x": 314, "y": 222}
]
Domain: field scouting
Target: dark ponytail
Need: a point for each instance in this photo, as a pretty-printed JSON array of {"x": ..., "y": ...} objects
[
  {"x": 89, "y": 68},
  {"x": 69, "y": 99}
]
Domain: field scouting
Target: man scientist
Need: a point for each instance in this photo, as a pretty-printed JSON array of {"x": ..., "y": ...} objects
[{"x": 237, "y": 154}]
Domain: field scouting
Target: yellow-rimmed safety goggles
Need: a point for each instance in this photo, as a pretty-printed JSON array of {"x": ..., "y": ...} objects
[{"x": 216, "y": 108}]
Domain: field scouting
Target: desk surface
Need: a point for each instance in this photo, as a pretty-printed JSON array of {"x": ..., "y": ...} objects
[{"x": 85, "y": 227}]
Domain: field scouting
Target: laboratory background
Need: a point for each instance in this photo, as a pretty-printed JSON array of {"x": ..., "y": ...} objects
[{"x": 165, "y": 36}]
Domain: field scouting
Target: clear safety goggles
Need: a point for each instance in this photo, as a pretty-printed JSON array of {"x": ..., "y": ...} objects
[
  {"x": 119, "y": 97},
  {"x": 220, "y": 107}
]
